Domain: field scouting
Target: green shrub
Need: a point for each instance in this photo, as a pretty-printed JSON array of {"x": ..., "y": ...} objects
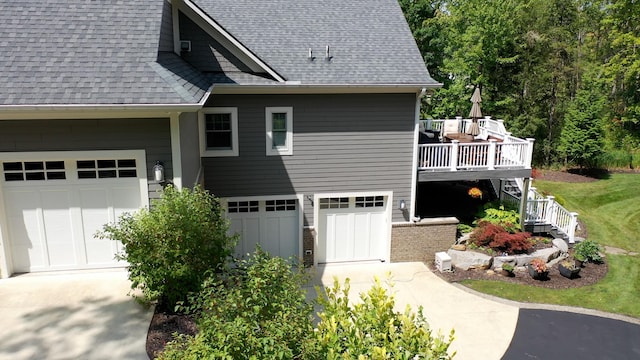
[
  {"x": 171, "y": 246},
  {"x": 588, "y": 250},
  {"x": 371, "y": 329},
  {"x": 507, "y": 218},
  {"x": 256, "y": 309},
  {"x": 464, "y": 228}
]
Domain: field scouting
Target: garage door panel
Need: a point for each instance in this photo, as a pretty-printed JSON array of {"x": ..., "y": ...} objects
[
  {"x": 278, "y": 237},
  {"x": 58, "y": 227},
  {"x": 248, "y": 229},
  {"x": 95, "y": 212},
  {"x": 25, "y": 224},
  {"x": 362, "y": 235}
]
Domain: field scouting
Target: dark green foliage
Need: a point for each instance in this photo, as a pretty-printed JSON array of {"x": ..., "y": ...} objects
[
  {"x": 256, "y": 309},
  {"x": 171, "y": 246},
  {"x": 495, "y": 213},
  {"x": 544, "y": 66},
  {"x": 588, "y": 250}
]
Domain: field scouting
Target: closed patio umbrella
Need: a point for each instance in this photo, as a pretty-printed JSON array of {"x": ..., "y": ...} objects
[{"x": 475, "y": 113}]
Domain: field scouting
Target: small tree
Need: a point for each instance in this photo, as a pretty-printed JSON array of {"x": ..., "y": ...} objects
[{"x": 172, "y": 245}]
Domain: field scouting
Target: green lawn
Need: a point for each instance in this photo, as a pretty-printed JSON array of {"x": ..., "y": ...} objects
[{"x": 611, "y": 211}]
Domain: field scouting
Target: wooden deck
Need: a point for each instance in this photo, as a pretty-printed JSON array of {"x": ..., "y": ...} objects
[{"x": 500, "y": 155}]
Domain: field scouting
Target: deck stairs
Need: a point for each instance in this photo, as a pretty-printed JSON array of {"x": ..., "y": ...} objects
[{"x": 543, "y": 213}]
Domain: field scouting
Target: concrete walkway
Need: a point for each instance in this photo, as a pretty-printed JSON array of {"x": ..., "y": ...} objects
[
  {"x": 483, "y": 327},
  {"x": 83, "y": 315}
]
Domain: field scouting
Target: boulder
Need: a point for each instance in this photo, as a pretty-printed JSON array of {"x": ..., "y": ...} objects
[
  {"x": 459, "y": 247},
  {"x": 499, "y": 260},
  {"x": 561, "y": 244},
  {"x": 547, "y": 254},
  {"x": 523, "y": 260},
  {"x": 466, "y": 260},
  {"x": 464, "y": 238}
]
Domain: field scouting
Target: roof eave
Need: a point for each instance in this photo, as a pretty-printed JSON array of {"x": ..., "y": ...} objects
[
  {"x": 295, "y": 87},
  {"x": 93, "y": 111}
]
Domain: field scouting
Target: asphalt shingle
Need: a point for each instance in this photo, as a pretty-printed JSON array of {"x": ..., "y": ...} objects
[
  {"x": 370, "y": 41},
  {"x": 89, "y": 52}
]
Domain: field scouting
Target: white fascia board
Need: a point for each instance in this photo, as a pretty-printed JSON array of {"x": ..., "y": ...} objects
[
  {"x": 94, "y": 111},
  {"x": 320, "y": 89},
  {"x": 225, "y": 38}
]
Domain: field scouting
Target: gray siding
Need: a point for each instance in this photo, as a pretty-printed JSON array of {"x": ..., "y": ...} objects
[
  {"x": 189, "y": 148},
  {"x": 152, "y": 135},
  {"x": 342, "y": 143},
  {"x": 166, "y": 29},
  {"x": 207, "y": 54}
]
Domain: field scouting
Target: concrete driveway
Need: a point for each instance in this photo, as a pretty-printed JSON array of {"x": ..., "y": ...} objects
[
  {"x": 81, "y": 315},
  {"x": 483, "y": 327}
]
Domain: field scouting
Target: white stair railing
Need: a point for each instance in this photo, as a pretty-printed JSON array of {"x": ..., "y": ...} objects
[{"x": 546, "y": 210}]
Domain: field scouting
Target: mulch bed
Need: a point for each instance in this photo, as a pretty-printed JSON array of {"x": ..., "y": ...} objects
[
  {"x": 164, "y": 324},
  {"x": 590, "y": 274}
]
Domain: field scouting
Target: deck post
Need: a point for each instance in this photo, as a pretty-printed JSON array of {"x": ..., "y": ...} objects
[
  {"x": 524, "y": 200},
  {"x": 572, "y": 227},
  {"x": 491, "y": 157},
  {"x": 529, "y": 156},
  {"x": 550, "y": 210},
  {"x": 455, "y": 145}
]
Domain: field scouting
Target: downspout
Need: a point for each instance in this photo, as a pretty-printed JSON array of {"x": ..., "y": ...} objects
[{"x": 414, "y": 166}]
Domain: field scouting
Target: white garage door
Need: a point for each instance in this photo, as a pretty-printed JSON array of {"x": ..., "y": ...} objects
[
  {"x": 352, "y": 229},
  {"x": 55, "y": 205},
  {"x": 271, "y": 223}
]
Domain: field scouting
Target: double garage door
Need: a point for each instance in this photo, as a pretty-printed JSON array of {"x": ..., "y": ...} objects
[{"x": 55, "y": 202}]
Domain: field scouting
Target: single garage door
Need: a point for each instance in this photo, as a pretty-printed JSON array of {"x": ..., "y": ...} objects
[
  {"x": 271, "y": 223},
  {"x": 55, "y": 205},
  {"x": 352, "y": 229}
]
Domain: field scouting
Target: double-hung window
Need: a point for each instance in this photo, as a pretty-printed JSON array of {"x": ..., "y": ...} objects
[
  {"x": 219, "y": 131},
  {"x": 279, "y": 125}
]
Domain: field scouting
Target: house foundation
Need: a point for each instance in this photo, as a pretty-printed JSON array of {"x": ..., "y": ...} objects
[{"x": 420, "y": 241}]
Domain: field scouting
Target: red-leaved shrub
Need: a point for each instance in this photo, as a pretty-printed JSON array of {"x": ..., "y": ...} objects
[
  {"x": 517, "y": 243},
  {"x": 485, "y": 232},
  {"x": 498, "y": 238}
]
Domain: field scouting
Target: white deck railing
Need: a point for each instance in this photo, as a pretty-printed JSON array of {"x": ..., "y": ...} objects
[
  {"x": 545, "y": 210},
  {"x": 501, "y": 151}
]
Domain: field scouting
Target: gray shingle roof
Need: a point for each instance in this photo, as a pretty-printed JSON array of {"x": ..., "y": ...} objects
[
  {"x": 89, "y": 52},
  {"x": 369, "y": 40}
]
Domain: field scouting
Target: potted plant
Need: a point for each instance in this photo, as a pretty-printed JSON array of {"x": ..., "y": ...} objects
[
  {"x": 507, "y": 269},
  {"x": 579, "y": 259},
  {"x": 568, "y": 269},
  {"x": 538, "y": 269},
  {"x": 589, "y": 250}
]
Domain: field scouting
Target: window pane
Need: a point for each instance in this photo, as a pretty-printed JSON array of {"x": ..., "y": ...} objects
[
  {"x": 279, "y": 139},
  {"x": 35, "y": 176},
  {"x": 279, "y": 122},
  {"x": 127, "y": 163},
  {"x": 55, "y": 165},
  {"x": 219, "y": 140},
  {"x": 34, "y": 165},
  {"x": 12, "y": 166},
  {"x": 86, "y": 164},
  {"x": 106, "y": 164},
  {"x": 218, "y": 122}
]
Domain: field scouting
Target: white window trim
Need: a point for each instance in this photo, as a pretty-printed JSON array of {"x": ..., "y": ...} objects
[
  {"x": 234, "y": 151},
  {"x": 288, "y": 149}
]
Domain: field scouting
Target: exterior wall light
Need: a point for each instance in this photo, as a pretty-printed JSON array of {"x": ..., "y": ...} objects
[
  {"x": 158, "y": 172},
  {"x": 402, "y": 205}
]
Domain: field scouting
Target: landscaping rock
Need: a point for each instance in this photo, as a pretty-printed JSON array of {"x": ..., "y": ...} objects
[
  {"x": 561, "y": 244},
  {"x": 491, "y": 272},
  {"x": 466, "y": 260},
  {"x": 464, "y": 238},
  {"x": 499, "y": 260},
  {"x": 547, "y": 254},
  {"x": 523, "y": 260},
  {"x": 459, "y": 247}
]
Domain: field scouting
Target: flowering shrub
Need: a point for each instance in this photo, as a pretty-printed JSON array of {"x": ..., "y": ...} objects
[
  {"x": 475, "y": 193},
  {"x": 538, "y": 265}
]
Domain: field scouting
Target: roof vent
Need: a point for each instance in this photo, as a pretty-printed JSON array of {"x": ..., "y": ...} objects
[
  {"x": 185, "y": 46},
  {"x": 328, "y": 56}
]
